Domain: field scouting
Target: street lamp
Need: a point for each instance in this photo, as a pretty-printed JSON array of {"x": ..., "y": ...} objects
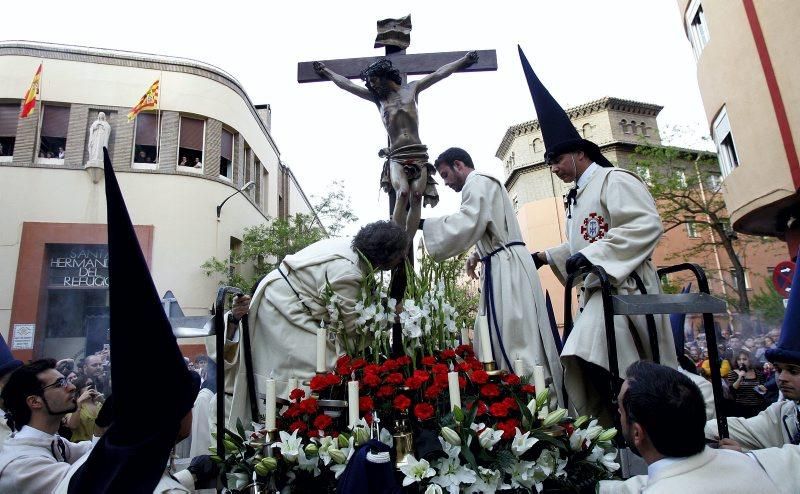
[{"x": 244, "y": 188}]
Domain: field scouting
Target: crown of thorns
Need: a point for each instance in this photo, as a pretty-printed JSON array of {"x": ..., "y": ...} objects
[{"x": 381, "y": 68}]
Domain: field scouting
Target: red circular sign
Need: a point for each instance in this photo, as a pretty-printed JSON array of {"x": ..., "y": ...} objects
[{"x": 782, "y": 277}]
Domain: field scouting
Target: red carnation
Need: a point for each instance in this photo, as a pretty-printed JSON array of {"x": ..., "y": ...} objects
[
  {"x": 511, "y": 403},
  {"x": 333, "y": 379},
  {"x": 343, "y": 360},
  {"x": 358, "y": 363},
  {"x": 463, "y": 367},
  {"x": 440, "y": 369},
  {"x": 569, "y": 429},
  {"x": 464, "y": 350},
  {"x": 404, "y": 360},
  {"x": 292, "y": 412},
  {"x": 319, "y": 382},
  {"x": 371, "y": 380},
  {"x": 433, "y": 391},
  {"x": 440, "y": 379},
  {"x": 297, "y": 394},
  {"x": 490, "y": 390},
  {"x": 394, "y": 378},
  {"x": 343, "y": 370},
  {"x": 482, "y": 408},
  {"x": 448, "y": 353},
  {"x": 308, "y": 406},
  {"x": 322, "y": 422},
  {"x": 511, "y": 379},
  {"x": 402, "y": 402},
  {"x": 428, "y": 360},
  {"x": 414, "y": 382},
  {"x": 475, "y": 365},
  {"x": 462, "y": 382},
  {"x": 480, "y": 377},
  {"x": 365, "y": 404},
  {"x": 528, "y": 388},
  {"x": 372, "y": 369},
  {"x": 508, "y": 427},
  {"x": 423, "y": 411},
  {"x": 299, "y": 426},
  {"x": 499, "y": 409},
  {"x": 390, "y": 365},
  {"x": 421, "y": 375},
  {"x": 385, "y": 391}
]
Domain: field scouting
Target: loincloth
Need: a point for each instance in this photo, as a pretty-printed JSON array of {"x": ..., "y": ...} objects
[{"x": 412, "y": 158}]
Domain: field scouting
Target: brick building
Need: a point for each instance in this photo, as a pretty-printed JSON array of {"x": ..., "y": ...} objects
[
  {"x": 618, "y": 126},
  {"x": 175, "y": 166}
]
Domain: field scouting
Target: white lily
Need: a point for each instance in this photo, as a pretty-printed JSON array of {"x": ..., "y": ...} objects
[
  {"x": 416, "y": 470},
  {"x": 386, "y": 437},
  {"x": 605, "y": 458},
  {"x": 452, "y": 474},
  {"x": 347, "y": 452},
  {"x": 325, "y": 444},
  {"x": 489, "y": 437},
  {"x": 522, "y": 474},
  {"x": 289, "y": 445},
  {"x": 308, "y": 464},
  {"x": 522, "y": 443},
  {"x": 451, "y": 450},
  {"x": 488, "y": 482}
]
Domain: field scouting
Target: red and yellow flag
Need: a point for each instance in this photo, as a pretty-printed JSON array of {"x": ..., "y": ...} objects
[
  {"x": 148, "y": 102},
  {"x": 29, "y": 100}
]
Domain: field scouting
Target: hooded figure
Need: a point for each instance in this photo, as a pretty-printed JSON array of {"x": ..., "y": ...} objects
[
  {"x": 612, "y": 221},
  {"x": 132, "y": 455}
]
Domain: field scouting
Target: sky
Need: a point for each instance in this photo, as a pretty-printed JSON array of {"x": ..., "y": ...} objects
[{"x": 581, "y": 49}]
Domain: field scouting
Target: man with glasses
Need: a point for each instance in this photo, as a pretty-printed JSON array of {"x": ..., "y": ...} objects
[{"x": 35, "y": 458}]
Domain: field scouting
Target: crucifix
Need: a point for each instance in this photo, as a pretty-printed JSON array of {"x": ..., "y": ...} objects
[{"x": 407, "y": 174}]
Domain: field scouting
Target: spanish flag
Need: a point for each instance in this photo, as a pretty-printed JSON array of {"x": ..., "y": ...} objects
[
  {"x": 29, "y": 100},
  {"x": 148, "y": 102}
]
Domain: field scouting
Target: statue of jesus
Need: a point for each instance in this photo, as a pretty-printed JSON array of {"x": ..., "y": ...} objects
[{"x": 406, "y": 169}]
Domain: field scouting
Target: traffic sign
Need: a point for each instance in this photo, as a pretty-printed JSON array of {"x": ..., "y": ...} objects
[{"x": 782, "y": 277}]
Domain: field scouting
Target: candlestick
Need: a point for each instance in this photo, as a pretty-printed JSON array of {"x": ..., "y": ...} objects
[
  {"x": 322, "y": 348},
  {"x": 464, "y": 335},
  {"x": 455, "y": 391},
  {"x": 269, "y": 422},
  {"x": 538, "y": 382},
  {"x": 352, "y": 402},
  {"x": 291, "y": 386},
  {"x": 486, "y": 342},
  {"x": 519, "y": 367}
]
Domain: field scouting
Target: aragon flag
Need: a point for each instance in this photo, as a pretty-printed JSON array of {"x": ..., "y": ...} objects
[
  {"x": 29, "y": 100},
  {"x": 148, "y": 102}
]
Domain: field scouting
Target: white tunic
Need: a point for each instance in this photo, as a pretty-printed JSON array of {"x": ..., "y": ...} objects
[
  {"x": 282, "y": 333},
  {"x": 201, "y": 415},
  {"x": 486, "y": 220},
  {"x": 614, "y": 224},
  {"x": 782, "y": 465},
  {"x": 713, "y": 471},
  {"x": 768, "y": 429}
]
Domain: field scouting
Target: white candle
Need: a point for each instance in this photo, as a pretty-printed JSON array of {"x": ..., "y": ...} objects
[
  {"x": 352, "y": 402},
  {"x": 538, "y": 382},
  {"x": 519, "y": 367},
  {"x": 269, "y": 422},
  {"x": 322, "y": 337},
  {"x": 464, "y": 335},
  {"x": 455, "y": 391},
  {"x": 486, "y": 342},
  {"x": 291, "y": 386}
]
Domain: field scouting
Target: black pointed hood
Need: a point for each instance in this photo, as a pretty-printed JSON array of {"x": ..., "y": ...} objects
[
  {"x": 558, "y": 132},
  {"x": 153, "y": 389}
]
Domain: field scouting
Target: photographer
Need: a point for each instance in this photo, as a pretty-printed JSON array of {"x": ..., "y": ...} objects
[{"x": 90, "y": 401}]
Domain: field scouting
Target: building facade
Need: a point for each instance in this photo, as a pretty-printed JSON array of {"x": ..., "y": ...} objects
[
  {"x": 749, "y": 80},
  {"x": 617, "y": 126},
  {"x": 207, "y": 141}
]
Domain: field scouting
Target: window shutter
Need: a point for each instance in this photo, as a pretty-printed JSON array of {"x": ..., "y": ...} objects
[
  {"x": 55, "y": 121},
  {"x": 192, "y": 133},
  {"x": 146, "y": 129},
  {"x": 8, "y": 120},
  {"x": 226, "y": 150}
]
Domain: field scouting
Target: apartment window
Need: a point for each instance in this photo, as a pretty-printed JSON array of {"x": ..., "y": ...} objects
[
  {"x": 696, "y": 27},
  {"x": 537, "y": 145},
  {"x": 587, "y": 131},
  {"x": 255, "y": 192},
  {"x": 247, "y": 154},
  {"x": 192, "y": 135},
  {"x": 53, "y": 141},
  {"x": 633, "y": 126},
  {"x": 145, "y": 149},
  {"x": 264, "y": 188},
  {"x": 226, "y": 155},
  {"x": 714, "y": 182},
  {"x": 624, "y": 124},
  {"x": 723, "y": 138},
  {"x": 8, "y": 131},
  {"x": 735, "y": 281},
  {"x": 691, "y": 228}
]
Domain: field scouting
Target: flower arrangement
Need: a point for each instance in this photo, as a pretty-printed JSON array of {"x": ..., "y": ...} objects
[{"x": 486, "y": 431}]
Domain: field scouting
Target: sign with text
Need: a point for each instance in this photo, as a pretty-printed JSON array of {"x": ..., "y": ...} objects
[
  {"x": 23, "y": 336},
  {"x": 77, "y": 266},
  {"x": 782, "y": 277}
]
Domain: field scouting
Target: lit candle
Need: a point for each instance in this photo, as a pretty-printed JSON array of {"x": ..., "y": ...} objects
[
  {"x": 519, "y": 367},
  {"x": 292, "y": 385},
  {"x": 322, "y": 337},
  {"x": 455, "y": 391},
  {"x": 269, "y": 422},
  {"x": 538, "y": 383},
  {"x": 486, "y": 342},
  {"x": 352, "y": 402}
]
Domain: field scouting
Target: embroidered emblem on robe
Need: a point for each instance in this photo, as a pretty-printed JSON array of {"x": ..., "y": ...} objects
[{"x": 594, "y": 227}]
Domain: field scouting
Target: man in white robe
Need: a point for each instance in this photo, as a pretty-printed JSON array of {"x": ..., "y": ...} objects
[
  {"x": 662, "y": 415},
  {"x": 487, "y": 221},
  {"x": 288, "y": 306},
  {"x": 36, "y": 459}
]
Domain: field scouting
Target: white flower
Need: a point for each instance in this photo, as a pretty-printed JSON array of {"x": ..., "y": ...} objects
[
  {"x": 433, "y": 489},
  {"x": 289, "y": 445},
  {"x": 488, "y": 482},
  {"x": 489, "y": 437},
  {"x": 416, "y": 471},
  {"x": 451, "y": 450},
  {"x": 325, "y": 444},
  {"x": 451, "y": 436},
  {"x": 308, "y": 464},
  {"x": 452, "y": 474},
  {"x": 522, "y": 442},
  {"x": 522, "y": 474},
  {"x": 593, "y": 430},
  {"x": 347, "y": 452},
  {"x": 386, "y": 438},
  {"x": 605, "y": 458}
]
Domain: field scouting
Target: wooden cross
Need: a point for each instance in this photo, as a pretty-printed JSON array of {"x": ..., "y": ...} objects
[{"x": 394, "y": 36}]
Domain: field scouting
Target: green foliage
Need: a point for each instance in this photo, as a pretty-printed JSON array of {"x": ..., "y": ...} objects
[{"x": 769, "y": 305}]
